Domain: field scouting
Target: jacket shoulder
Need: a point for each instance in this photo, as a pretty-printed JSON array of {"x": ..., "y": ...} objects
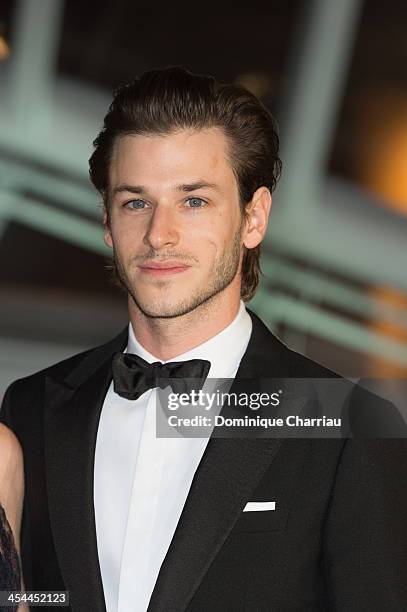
[
  {"x": 266, "y": 348},
  {"x": 58, "y": 370},
  {"x": 302, "y": 366},
  {"x": 64, "y": 368}
]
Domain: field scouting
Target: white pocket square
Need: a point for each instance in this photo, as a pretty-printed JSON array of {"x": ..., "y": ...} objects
[{"x": 259, "y": 506}]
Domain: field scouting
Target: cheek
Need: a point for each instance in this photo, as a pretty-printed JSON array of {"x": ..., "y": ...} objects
[
  {"x": 222, "y": 228},
  {"x": 226, "y": 232},
  {"x": 207, "y": 241},
  {"x": 125, "y": 236}
]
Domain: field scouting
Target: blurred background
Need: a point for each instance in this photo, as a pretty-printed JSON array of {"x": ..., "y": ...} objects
[{"x": 335, "y": 76}]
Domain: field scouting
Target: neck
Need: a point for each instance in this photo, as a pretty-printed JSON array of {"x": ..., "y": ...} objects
[{"x": 167, "y": 338}]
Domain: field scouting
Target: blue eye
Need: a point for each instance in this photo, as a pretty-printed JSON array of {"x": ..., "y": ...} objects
[
  {"x": 135, "y": 204},
  {"x": 196, "y": 202}
]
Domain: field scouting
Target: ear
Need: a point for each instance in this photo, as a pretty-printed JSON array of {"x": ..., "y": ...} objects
[
  {"x": 257, "y": 215},
  {"x": 107, "y": 235}
]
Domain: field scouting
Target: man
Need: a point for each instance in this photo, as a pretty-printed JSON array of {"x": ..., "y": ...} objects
[{"x": 125, "y": 520}]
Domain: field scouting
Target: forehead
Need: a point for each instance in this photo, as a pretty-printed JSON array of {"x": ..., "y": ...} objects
[{"x": 175, "y": 157}]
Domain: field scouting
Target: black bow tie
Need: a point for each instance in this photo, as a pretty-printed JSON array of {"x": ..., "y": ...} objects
[{"x": 132, "y": 375}]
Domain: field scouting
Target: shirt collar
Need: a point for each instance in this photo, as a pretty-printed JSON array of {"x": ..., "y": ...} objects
[{"x": 224, "y": 351}]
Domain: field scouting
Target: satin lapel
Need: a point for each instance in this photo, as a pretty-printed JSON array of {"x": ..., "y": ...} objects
[
  {"x": 228, "y": 473},
  {"x": 72, "y": 415}
]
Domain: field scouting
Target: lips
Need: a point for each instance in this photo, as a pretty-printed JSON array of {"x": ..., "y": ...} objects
[{"x": 163, "y": 268}]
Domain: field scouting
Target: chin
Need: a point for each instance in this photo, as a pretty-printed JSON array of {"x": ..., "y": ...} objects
[{"x": 158, "y": 309}]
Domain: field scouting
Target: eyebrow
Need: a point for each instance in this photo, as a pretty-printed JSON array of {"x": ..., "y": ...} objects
[
  {"x": 185, "y": 187},
  {"x": 197, "y": 185}
]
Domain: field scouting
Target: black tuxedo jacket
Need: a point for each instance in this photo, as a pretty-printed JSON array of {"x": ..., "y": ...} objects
[{"x": 336, "y": 540}]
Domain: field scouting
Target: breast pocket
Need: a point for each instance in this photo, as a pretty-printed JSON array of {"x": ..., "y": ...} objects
[{"x": 264, "y": 520}]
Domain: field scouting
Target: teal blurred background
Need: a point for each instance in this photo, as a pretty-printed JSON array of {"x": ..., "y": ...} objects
[{"x": 335, "y": 76}]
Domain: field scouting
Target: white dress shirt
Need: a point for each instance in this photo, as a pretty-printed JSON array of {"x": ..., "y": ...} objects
[{"x": 141, "y": 482}]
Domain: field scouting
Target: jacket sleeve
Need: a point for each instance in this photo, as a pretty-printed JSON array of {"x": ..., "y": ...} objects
[
  {"x": 6, "y": 407},
  {"x": 365, "y": 534}
]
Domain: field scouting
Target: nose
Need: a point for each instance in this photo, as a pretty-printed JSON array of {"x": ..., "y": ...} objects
[{"x": 161, "y": 231}]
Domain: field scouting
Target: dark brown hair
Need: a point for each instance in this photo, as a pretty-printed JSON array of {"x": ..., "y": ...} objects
[{"x": 163, "y": 101}]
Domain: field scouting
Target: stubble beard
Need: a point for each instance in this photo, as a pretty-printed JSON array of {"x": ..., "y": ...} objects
[{"x": 225, "y": 269}]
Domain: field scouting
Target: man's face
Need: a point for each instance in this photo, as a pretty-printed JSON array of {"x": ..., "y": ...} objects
[{"x": 175, "y": 224}]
